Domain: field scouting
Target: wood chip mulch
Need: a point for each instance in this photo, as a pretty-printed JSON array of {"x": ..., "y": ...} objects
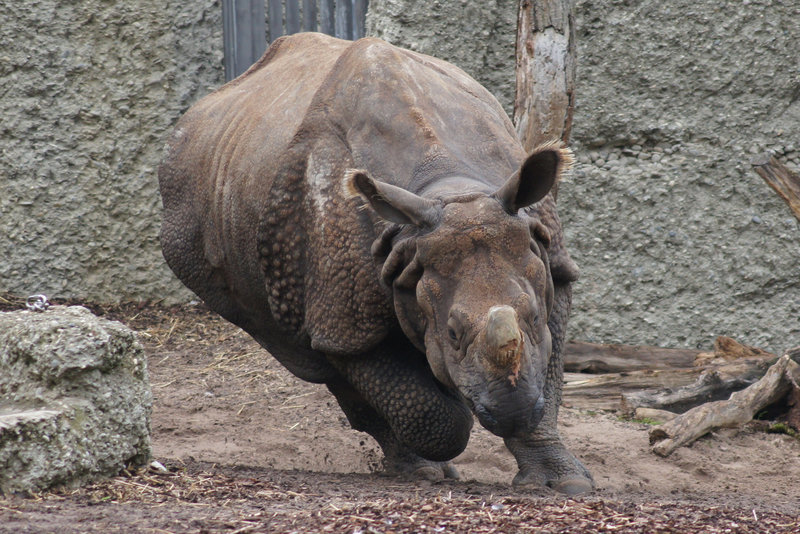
[{"x": 209, "y": 501}]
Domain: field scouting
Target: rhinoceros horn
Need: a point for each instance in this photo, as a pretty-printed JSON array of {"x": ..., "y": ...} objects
[{"x": 504, "y": 342}]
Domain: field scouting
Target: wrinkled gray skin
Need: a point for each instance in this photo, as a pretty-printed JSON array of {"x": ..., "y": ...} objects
[{"x": 368, "y": 215}]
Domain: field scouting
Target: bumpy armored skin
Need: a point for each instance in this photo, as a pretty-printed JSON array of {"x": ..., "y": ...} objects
[{"x": 368, "y": 215}]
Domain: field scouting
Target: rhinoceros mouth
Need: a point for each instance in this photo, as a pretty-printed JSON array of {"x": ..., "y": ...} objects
[{"x": 508, "y": 423}]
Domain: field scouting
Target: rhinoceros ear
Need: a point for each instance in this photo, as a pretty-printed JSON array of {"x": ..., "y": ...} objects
[
  {"x": 390, "y": 202},
  {"x": 537, "y": 175}
]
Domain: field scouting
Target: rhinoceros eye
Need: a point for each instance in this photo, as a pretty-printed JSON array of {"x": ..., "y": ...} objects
[{"x": 454, "y": 333}]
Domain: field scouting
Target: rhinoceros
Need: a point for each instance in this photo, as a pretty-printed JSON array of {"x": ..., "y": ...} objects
[{"x": 369, "y": 216}]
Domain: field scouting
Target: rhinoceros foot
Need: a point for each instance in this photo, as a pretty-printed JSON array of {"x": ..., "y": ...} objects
[
  {"x": 567, "y": 486},
  {"x": 420, "y": 469},
  {"x": 549, "y": 463},
  {"x": 574, "y": 486}
]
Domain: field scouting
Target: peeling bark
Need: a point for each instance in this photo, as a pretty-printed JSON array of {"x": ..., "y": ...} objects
[
  {"x": 714, "y": 383},
  {"x": 596, "y": 358},
  {"x": 545, "y": 70},
  {"x": 674, "y": 389}
]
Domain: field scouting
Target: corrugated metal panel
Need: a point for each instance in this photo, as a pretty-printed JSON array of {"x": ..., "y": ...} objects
[
  {"x": 292, "y": 17},
  {"x": 310, "y": 15},
  {"x": 343, "y": 25},
  {"x": 245, "y": 25},
  {"x": 275, "y": 19},
  {"x": 359, "y": 18},
  {"x": 327, "y": 14},
  {"x": 244, "y": 38}
]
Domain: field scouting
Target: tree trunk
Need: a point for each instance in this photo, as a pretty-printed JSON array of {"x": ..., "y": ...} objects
[
  {"x": 711, "y": 385},
  {"x": 604, "y": 392},
  {"x": 779, "y": 177},
  {"x": 545, "y": 69},
  {"x": 674, "y": 389}
]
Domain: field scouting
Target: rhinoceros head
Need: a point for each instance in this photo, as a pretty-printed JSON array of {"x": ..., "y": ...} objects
[{"x": 472, "y": 286}]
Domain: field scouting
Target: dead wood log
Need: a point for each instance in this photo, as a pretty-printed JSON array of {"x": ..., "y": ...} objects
[
  {"x": 596, "y": 358},
  {"x": 726, "y": 348},
  {"x": 784, "y": 181},
  {"x": 659, "y": 416},
  {"x": 739, "y": 409},
  {"x": 599, "y": 358},
  {"x": 604, "y": 392},
  {"x": 715, "y": 382},
  {"x": 607, "y": 391},
  {"x": 793, "y": 401}
]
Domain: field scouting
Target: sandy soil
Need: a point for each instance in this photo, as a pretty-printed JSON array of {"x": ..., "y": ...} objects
[{"x": 249, "y": 448}]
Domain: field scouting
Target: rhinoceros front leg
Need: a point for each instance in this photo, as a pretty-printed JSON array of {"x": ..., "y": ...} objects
[
  {"x": 542, "y": 458},
  {"x": 392, "y": 395}
]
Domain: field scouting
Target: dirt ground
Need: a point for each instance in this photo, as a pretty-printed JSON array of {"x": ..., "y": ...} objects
[{"x": 249, "y": 448}]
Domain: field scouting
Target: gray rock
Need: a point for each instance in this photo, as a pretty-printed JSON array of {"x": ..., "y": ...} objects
[{"x": 75, "y": 399}]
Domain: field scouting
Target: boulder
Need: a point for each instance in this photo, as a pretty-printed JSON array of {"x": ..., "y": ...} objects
[{"x": 75, "y": 399}]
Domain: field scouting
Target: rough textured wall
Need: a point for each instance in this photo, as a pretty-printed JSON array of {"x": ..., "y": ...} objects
[
  {"x": 678, "y": 240},
  {"x": 90, "y": 89},
  {"x": 477, "y": 35}
]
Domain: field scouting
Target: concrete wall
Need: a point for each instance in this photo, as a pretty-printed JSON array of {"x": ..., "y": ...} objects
[
  {"x": 477, "y": 35},
  {"x": 90, "y": 89},
  {"x": 678, "y": 240}
]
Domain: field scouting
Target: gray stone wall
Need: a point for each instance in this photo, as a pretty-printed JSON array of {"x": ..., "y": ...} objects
[
  {"x": 90, "y": 90},
  {"x": 477, "y": 35},
  {"x": 678, "y": 240}
]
